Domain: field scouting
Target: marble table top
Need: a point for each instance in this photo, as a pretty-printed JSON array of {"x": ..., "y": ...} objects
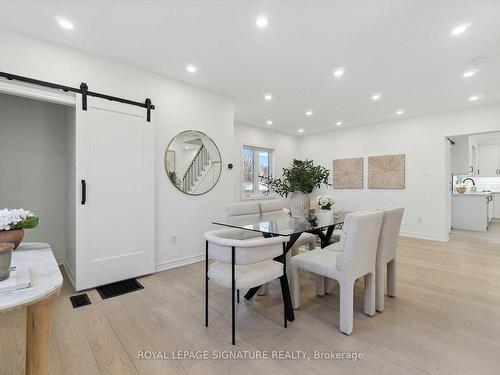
[{"x": 46, "y": 278}]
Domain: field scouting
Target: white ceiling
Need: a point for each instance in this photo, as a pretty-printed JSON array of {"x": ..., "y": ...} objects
[{"x": 402, "y": 48}]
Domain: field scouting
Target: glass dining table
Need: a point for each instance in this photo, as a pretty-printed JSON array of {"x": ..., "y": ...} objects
[{"x": 273, "y": 224}]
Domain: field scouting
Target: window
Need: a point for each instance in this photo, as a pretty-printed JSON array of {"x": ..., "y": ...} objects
[{"x": 257, "y": 166}]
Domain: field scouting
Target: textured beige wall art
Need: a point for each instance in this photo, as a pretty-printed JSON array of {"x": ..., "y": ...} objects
[
  {"x": 348, "y": 173},
  {"x": 386, "y": 172}
]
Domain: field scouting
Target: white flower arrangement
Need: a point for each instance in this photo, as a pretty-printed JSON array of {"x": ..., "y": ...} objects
[
  {"x": 325, "y": 201},
  {"x": 17, "y": 219}
]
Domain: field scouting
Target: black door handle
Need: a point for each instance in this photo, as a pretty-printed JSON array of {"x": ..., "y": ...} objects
[{"x": 84, "y": 192}]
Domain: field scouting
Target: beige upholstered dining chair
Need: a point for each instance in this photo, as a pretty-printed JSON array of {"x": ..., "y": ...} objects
[
  {"x": 305, "y": 239},
  {"x": 386, "y": 255},
  {"x": 355, "y": 258},
  {"x": 337, "y": 233},
  {"x": 242, "y": 263},
  {"x": 242, "y": 208}
]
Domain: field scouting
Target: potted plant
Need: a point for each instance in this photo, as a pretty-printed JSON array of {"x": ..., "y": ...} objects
[
  {"x": 325, "y": 202},
  {"x": 299, "y": 181},
  {"x": 13, "y": 222}
]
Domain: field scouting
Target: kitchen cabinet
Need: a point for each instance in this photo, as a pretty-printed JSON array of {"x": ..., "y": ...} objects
[
  {"x": 470, "y": 211},
  {"x": 491, "y": 208},
  {"x": 496, "y": 206},
  {"x": 489, "y": 160},
  {"x": 464, "y": 156}
]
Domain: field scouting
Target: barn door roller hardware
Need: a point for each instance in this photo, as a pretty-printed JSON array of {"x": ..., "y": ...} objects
[{"x": 84, "y": 91}]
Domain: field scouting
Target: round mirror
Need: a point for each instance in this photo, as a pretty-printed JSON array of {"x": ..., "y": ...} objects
[{"x": 193, "y": 162}]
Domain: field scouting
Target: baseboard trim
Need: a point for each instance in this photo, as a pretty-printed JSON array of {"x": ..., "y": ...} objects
[
  {"x": 163, "y": 266},
  {"x": 423, "y": 236}
]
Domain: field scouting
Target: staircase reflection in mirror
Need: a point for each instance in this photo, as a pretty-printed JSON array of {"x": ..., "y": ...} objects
[{"x": 193, "y": 162}]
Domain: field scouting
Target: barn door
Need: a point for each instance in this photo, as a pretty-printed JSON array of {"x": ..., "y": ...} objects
[{"x": 115, "y": 193}]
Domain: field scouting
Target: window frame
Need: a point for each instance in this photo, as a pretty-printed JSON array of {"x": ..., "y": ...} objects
[{"x": 256, "y": 149}]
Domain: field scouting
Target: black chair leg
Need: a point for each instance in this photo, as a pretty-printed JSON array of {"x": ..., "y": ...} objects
[
  {"x": 233, "y": 328},
  {"x": 238, "y": 295},
  {"x": 206, "y": 284},
  {"x": 283, "y": 292},
  {"x": 251, "y": 293}
]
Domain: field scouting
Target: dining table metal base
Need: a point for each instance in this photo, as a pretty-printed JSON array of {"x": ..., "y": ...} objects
[{"x": 285, "y": 289}]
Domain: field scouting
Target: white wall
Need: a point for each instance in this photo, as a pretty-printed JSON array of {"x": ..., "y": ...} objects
[
  {"x": 285, "y": 148},
  {"x": 33, "y": 165},
  {"x": 422, "y": 140},
  {"x": 179, "y": 107}
]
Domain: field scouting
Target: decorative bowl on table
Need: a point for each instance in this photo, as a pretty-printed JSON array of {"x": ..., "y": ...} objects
[
  {"x": 14, "y": 236},
  {"x": 13, "y": 222}
]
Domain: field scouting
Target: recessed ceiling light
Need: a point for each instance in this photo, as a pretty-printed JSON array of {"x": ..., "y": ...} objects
[
  {"x": 269, "y": 122},
  {"x": 469, "y": 73},
  {"x": 400, "y": 112},
  {"x": 474, "y": 98},
  {"x": 301, "y": 130},
  {"x": 309, "y": 113},
  {"x": 339, "y": 72},
  {"x": 261, "y": 21},
  {"x": 376, "y": 96},
  {"x": 65, "y": 24},
  {"x": 186, "y": 147},
  {"x": 460, "y": 29},
  {"x": 268, "y": 97},
  {"x": 191, "y": 68},
  {"x": 338, "y": 123}
]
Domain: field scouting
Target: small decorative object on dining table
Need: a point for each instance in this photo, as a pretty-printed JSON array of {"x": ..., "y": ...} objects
[
  {"x": 13, "y": 222},
  {"x": 299, "y": 181},
  {"x": 461, "y": 188},
  {"x": 325, "y": 202}
]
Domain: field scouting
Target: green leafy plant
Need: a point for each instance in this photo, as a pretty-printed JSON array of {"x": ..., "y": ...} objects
[
  {"x": 29, "y": 223},
  {"x": 303, "y": 176}
]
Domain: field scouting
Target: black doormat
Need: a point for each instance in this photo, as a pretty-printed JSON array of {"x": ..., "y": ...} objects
[
  {"x": 119, "y": 288},
  {"x": 80, "y": 300}
]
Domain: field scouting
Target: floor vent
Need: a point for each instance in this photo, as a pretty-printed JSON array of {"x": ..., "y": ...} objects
[
  {"x": 119, "y": 288},
  {"x": 80, "y": 300}
]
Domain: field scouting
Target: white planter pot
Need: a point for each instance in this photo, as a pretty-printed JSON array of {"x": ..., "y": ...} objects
[{"x": 299, "y": 205}]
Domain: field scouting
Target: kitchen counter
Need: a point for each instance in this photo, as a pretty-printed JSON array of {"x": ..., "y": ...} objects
[
  {"x": 477, "y": 194},
  {"x": 471, "y": 211}
]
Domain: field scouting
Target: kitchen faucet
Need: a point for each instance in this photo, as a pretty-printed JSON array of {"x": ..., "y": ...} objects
[{"x": 468, "y": 178}]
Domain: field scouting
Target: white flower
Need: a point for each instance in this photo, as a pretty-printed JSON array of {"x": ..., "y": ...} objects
[
  {"x": 11, "y": 217},
  {"x": 325, "y": 200}
]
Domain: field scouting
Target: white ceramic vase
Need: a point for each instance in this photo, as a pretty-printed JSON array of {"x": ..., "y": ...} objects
[{"x": 299, "y": 205}]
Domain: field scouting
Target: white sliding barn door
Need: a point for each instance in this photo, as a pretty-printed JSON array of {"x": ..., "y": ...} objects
[{"x": 115, "y": 225}]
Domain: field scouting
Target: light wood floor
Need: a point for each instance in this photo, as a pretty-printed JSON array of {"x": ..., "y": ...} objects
[{"x": 445, "y": 320}]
